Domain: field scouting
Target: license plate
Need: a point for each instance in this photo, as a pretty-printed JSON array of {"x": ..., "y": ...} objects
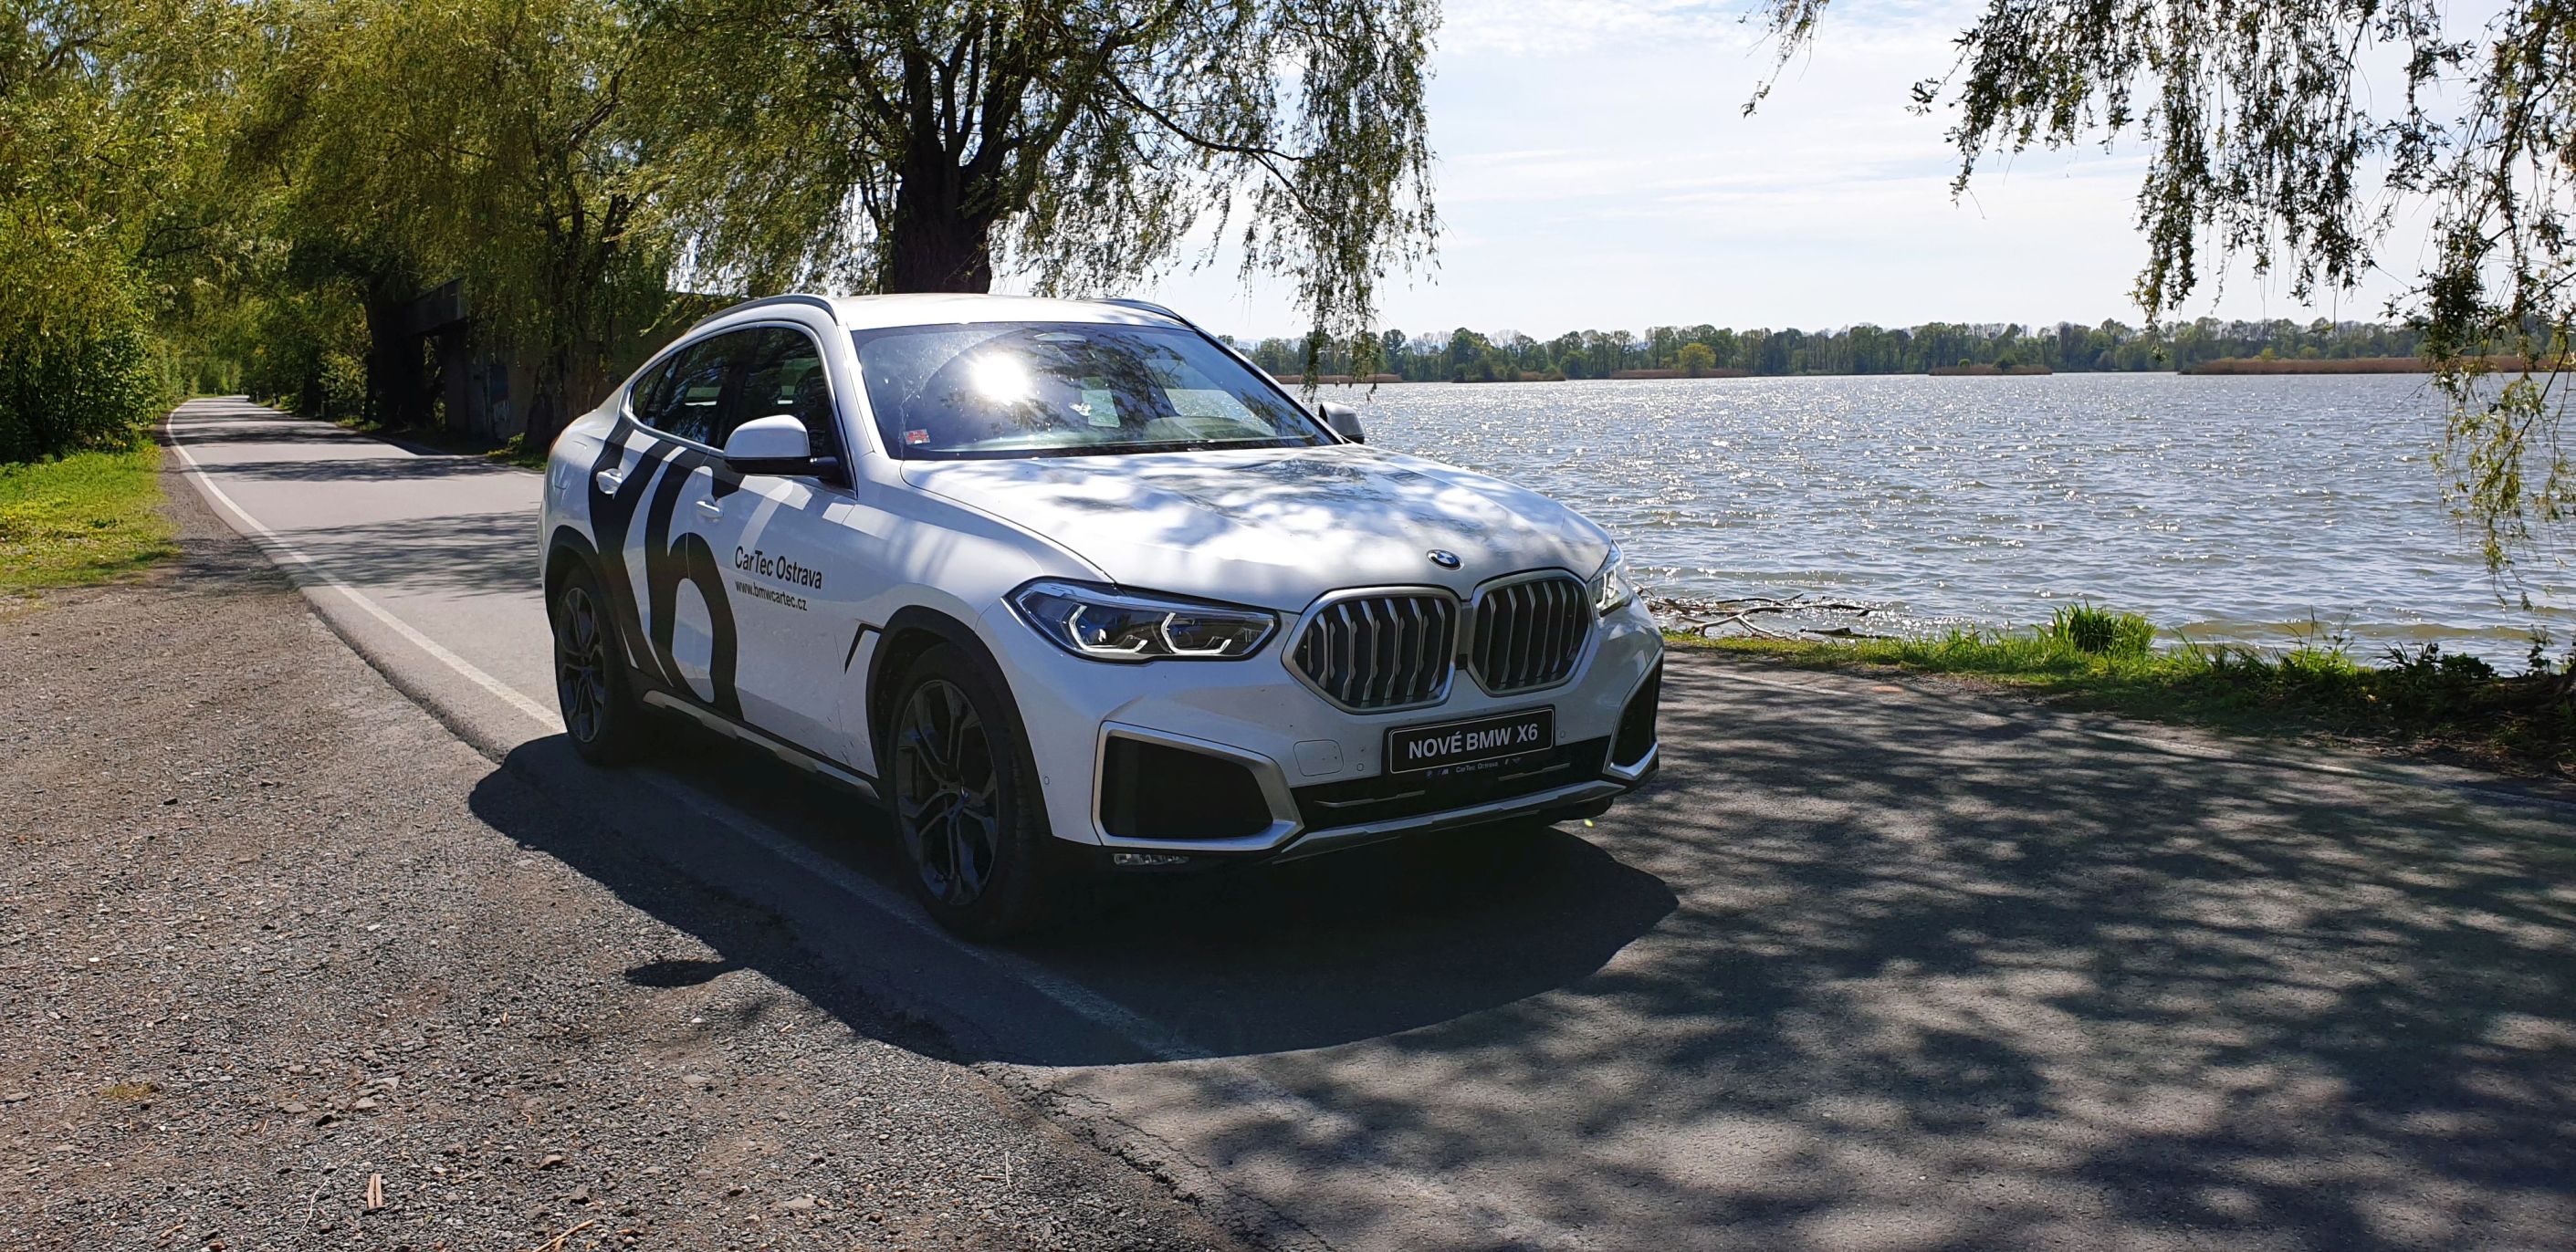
[{"x": 1412, "y": 749}]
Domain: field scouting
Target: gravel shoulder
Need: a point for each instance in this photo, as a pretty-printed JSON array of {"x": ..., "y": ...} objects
[{"x": 271, "y": 958}]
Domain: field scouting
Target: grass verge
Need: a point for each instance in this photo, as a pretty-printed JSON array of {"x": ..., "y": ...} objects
[
  {"x": 87, "y": 518},
  {"x": 2093, "y": 659}
]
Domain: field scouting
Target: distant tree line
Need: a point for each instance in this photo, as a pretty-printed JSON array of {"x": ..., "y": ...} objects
[{"x": 1465, "y": 355}]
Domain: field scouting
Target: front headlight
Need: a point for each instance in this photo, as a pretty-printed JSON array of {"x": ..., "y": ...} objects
[
  {"x": 1614, "y": 589},
  {"x": 1108, "y": 624}
]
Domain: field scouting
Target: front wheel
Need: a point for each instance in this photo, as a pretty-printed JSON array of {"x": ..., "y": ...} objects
[
  {"x": 601, "y": 715},
  {"x": 965, "y": 798}
]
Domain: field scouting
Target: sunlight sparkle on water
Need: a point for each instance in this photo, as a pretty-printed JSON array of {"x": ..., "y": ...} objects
[{"x": 2237, "y": 508}]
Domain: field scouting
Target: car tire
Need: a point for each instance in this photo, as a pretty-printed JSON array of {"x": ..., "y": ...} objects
[
  {"x": 602, "y": 716},
  {"x": 963, "y": 792}
]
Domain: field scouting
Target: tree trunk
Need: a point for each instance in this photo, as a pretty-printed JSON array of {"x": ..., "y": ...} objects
[
  {"x": 545, "y": 413},
  {"x": 542, "y": 425},
  {"x": 933, "y": 242}
]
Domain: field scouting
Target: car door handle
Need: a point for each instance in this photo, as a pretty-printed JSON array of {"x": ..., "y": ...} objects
[
  {"x": 609, "y": 480},
  {"x": 711, "y": 510}
]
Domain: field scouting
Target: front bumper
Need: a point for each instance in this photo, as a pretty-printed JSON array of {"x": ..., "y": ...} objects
[
  {"x": 1315, "y": 767},
  {"x": 1613, "y": 783}
]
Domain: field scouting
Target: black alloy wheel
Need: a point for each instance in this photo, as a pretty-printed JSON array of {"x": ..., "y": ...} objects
[
  {"x": 947, "y": 799},
  {"x": 581, "y": 664},
  {"x": 954, "y": 766},
  {"x": 600, "y": 713}
]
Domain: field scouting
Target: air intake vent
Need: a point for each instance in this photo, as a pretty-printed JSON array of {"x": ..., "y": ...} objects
[
  {"x": 1157, "y": 791},
  {"x": 1528, "y": 634},
  {"x": 1381, "y": 651}
]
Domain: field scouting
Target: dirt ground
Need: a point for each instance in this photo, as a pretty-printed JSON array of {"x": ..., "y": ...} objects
[{"x": 275, "y": 977}]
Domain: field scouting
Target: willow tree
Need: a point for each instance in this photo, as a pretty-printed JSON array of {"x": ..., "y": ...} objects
[
  {"x": 2294, "y": 134},
  {"x": 403, "y": 144},
  {"x": 904, "y": 145}
]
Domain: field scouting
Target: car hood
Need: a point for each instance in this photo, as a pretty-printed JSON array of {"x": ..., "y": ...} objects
[{"x": 1274, "y": 527}]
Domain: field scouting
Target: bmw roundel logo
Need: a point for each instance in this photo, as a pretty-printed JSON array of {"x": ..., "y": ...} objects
[{"x": 1443, "y": 558}]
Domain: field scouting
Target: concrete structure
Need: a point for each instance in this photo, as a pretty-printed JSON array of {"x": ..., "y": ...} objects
[{"x": 483, "y": 390}]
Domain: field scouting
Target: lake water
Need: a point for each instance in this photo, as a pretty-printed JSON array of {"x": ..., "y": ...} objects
[{"x": 2231, "y": 509}]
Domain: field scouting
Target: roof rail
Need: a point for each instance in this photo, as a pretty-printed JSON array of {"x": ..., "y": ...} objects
[{"x": 804, "y": 298}]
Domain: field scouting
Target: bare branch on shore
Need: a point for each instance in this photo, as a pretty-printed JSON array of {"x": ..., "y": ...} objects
[{"x": 1707, "y": 618}]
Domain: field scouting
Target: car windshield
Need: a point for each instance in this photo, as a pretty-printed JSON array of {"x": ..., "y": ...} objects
[{"x": 1001, "y": 389}]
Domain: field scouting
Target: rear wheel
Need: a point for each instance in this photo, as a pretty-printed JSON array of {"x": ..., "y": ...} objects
[
  {"x": 601, "y": 715},
  {"x": 965, "y": 798}
]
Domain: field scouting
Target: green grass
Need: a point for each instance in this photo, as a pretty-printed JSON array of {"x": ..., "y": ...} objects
[
  {"x": 514, "y": 451},
  {"x": 2100, "y": 632},
  {"x": 2095, "y": 659},
  {"x": 89, "y": 517}
]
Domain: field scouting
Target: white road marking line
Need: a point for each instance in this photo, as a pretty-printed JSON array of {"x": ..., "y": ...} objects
[{"x": 282, "y": 551}]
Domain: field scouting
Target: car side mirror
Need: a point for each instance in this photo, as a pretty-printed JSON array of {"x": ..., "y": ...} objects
[
  {"x": 1344, "y": 421},
  {"x": 777, "y": 444}
]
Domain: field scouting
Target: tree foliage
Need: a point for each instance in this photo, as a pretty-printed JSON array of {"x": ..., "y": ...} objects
[
  {"x": 918, "y": 146},
  {"x": 2292, "y": 134},
  {"x": 406, "y": 143},
  {"x": 584, "y": 169},
  {"x": 93, "y": 129}
]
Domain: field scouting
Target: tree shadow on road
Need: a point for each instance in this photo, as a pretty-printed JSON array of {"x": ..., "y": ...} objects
[
  {"x": 463, "y": 553},
  {"x": 1859, "y": 972},
  {"x": 385, "y": 468},
  {"x": 1958, "y": 975},
  {"x": 262, "y": 427}
]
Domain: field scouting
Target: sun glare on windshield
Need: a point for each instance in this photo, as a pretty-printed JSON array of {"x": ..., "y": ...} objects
[
  {"x": 996, "y": 389},
  {"x": 1001, "y": 379}
]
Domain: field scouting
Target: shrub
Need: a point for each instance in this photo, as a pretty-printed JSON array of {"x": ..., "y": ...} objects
[
  {"x": 2432, "y": 685},
  {"x": 2319, "y": 662},
  {"x": 2100, "y": 632},
  {"x": 343, "y": 388},
  {"x": 64, "y": 392}
]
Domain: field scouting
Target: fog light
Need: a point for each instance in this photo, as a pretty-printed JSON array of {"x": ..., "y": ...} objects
[{"x": 1145, "y": 860}]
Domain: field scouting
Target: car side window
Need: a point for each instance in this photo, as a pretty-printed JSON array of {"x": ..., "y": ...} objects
[
  {"x": 645, "y": 401},
  {"x": 782, "y": 373},
  {"x": 685, "y": 396}
]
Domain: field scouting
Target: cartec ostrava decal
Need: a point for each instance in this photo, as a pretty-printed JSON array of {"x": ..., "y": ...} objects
[
  {"x": 755, "y": 561},
  {"x": 784, "y": 569}
]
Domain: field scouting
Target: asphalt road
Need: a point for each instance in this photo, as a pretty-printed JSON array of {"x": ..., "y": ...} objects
[{"x": 1873, "y": 965}]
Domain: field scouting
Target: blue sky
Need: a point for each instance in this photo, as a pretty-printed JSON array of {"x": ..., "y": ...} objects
[{"x": 1595, "y": 170}]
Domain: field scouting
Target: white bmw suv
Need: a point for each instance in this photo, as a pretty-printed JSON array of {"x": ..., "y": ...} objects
[{"x": 1072, "y": 587}]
